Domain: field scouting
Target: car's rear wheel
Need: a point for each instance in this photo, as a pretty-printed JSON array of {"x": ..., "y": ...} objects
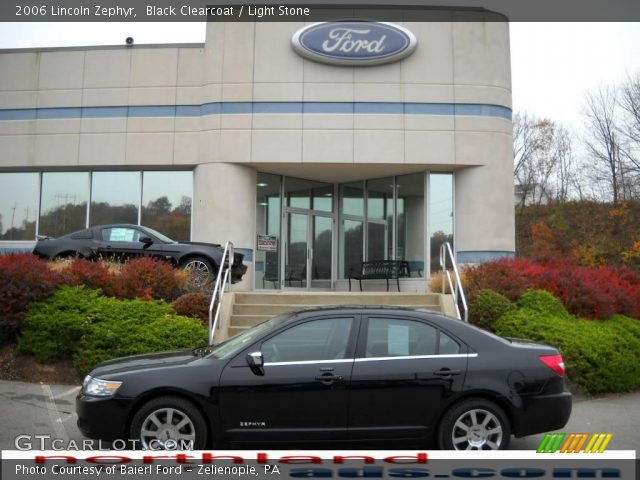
[
  {"x": 169, "y": 423},
  {"x": 474, "y": 424},
  {"x": 200, "y": 271}
]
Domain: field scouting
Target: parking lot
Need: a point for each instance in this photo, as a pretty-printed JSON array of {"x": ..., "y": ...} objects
[{"x": 41, "y": 409}]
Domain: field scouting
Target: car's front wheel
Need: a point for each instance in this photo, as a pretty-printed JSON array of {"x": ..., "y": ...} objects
[
  {"x": 474, "y": 424},
  {"x": 169, "y": 423},
  {"x": 200, "y": 271}
]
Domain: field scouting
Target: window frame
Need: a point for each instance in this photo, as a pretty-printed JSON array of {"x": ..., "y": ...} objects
[
  {"x": 361, "y": 354},
  {"x": 349, "y": 351}
]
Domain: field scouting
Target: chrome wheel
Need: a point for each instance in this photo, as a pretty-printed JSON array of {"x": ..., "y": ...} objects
[
  {"x": 477, "y": 429},
  {"x": 167, "y": 429},
  {"x": 199, "y": 271}
]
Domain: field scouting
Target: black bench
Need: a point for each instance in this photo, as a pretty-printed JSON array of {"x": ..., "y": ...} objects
[{"x": 382, "y": 269}]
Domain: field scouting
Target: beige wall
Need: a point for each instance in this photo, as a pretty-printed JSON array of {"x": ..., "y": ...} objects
[
  {"x": 454, "y": 63},
  {"x": 462, "y": 62}
]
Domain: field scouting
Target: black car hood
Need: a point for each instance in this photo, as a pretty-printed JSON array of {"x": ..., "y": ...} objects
[{"x": 144, "y": 362}]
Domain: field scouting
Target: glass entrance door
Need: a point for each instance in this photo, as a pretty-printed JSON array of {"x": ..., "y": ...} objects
[{"x": 308, "y": 252}]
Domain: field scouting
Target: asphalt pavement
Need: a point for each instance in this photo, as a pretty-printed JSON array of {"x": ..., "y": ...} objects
[{"x": 38, "y": 409}]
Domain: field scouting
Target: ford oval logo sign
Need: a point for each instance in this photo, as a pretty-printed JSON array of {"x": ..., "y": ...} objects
[{"x": 354, "y": 43}]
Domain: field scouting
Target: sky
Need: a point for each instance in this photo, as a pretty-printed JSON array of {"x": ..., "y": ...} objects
[{"x": 553, "y": 64}]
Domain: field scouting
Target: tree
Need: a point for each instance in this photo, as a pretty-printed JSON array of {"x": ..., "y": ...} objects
[
  {"x": 603, "y": 140},
  {"x": 630, "y": 103},
  {"x": 566, "y": 177},
  {"x": 543, "y": 160}
]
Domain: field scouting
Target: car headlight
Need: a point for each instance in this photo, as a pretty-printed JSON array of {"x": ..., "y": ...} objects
[{"x": 99, "y": 388}]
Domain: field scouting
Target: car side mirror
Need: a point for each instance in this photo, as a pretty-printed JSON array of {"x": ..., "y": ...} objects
[
  {"x": 146, "y": 240},
  {"x": 255, "y": 360}
]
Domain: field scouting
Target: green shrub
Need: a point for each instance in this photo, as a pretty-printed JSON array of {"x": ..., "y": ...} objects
[
  {"x": 52, "y": 327},
  {"x": 600, "y": 356},
  {"x": 487, "y": 307},
  {"x": 543, "y": 302},
  {"x": 84, "y": 325},
  {"x": 109, "y": 340}
]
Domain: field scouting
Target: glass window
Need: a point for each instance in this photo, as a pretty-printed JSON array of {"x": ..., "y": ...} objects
[
  {"x": 380, "y": 219},
  {"x": 441, "y": 214},
  {"x": 352, "y": 195},
  {"x": 64, "y": 201},
  {"x": 268, "y": 213},
  {"x": 391, "y": 337},
  {"x": 448, "y": 346},
  {"x": 121, "y": 234},
  {"x": 166, "y": 203},
  {"x": 351, "y": 247},
  {"x": 309, "y": 195},
  {"x": 115, "y": 197},
  {"x": 316, "y": 340},
  {"x": 410, "y": 222},
  {"x": 19, "y": 193}
]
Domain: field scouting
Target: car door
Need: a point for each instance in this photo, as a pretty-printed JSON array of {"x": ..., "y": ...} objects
[
  {"x": 301, "y": 393},
  {"x": 404, "y": 371},
  {"x": 124, "y": 243}
]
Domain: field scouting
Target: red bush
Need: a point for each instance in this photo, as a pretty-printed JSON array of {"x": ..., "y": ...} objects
[
  {"x": 24, "y": 279},
  {"x": 585, "y": 291},
  {"x": 148, "y": 278},
  {"x": 89, "y": 274},
  {"x": 195, "y": 304}
]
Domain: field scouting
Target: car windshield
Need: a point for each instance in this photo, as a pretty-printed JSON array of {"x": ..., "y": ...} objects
[
  {"x": 233, "y": 345},
  {"x": 158, "y": 235}
]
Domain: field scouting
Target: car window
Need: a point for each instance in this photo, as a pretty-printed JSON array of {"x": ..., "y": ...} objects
[
  {"x": 324, "y": 339},
  {"x": 448, "y": 346},
  {"x": 392, "y": 337},
  {"x": 120, "y": 234}
]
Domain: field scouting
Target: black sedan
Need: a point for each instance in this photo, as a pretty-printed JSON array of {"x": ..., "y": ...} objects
[
  {"x": 124, "y": 241},
  {"x": 333, "y": 374}
]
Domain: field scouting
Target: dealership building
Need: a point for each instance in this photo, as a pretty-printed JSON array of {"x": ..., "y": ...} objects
[{"x": 312, "y": 147}]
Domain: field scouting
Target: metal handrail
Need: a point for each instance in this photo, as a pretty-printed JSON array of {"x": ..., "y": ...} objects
[
  {"x": 457, "y": 290},
  {"x": 218, "y": 289}
]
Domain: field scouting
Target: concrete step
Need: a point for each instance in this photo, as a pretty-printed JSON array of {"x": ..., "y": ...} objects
[
  {"x": 262, "y": 309},
  {"x": 248, "y": 320},
  {"x": 335, "y": 298},
  {"x": 259, "y": 309}
]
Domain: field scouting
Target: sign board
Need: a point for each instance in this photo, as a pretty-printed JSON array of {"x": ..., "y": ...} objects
[
  {"x": 354, "y": 42},
  {"x": 268, "y": 243}
]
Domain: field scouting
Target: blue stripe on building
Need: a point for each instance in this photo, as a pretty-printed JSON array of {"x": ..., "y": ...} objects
[{"x": 232, "y": 108}]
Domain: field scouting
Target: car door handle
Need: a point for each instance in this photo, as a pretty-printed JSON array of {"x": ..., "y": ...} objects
[
  {"x": 446, "y": 372},
  {"x": 329, "y": 378}
]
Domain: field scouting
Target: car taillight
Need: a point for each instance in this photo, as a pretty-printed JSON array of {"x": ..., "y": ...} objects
[{"x": 554, "y": 362}]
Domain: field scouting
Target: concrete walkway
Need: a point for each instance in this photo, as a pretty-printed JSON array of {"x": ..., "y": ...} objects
[{"x": 41, "y": 409}]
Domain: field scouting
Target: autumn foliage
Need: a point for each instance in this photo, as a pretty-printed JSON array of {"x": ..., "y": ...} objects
[
  {"x": 591, "y": 292},
  {"x": 25, "y": 279}
]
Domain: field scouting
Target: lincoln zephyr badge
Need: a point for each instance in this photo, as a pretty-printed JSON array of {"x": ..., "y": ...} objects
[{"x": 354, "y": 42}]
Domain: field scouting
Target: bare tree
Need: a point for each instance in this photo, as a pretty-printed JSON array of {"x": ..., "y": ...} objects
[
  {"x": 630, "y": 103},
  {"x": 543, "y": 160},
  {"x": 528, "y": 147},
  {"x": 603, "y": 140},
  {"x": 566, "y": 177}
]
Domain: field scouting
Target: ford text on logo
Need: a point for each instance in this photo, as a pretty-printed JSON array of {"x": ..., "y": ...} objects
[{"x": 354, "y": 43}]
